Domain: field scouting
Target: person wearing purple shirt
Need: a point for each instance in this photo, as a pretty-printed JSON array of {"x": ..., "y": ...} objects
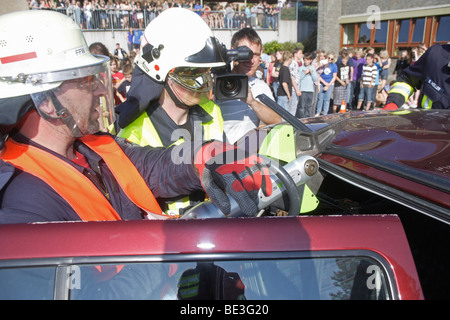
[{"x": 358, "y": 63}]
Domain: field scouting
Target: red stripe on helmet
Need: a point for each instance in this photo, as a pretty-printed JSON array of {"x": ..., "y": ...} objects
[{"x": 18, "y": 57}]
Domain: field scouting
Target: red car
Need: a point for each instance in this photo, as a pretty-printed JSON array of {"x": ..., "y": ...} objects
[
  {"x": 379, "y": 229},
  {"x": 355, "y": 257}
]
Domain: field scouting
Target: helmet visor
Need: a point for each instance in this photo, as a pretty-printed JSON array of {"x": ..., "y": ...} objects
[
  {"x": 84, "y": 101},
  {"x": 193, "y": 79}
]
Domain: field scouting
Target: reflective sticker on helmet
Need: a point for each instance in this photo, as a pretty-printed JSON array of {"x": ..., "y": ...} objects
[
  {"x": 18, "y": 57},
  {"x": 80, "y": 51}
]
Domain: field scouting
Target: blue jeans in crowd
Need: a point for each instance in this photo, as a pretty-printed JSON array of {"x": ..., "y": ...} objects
[
  {"x": 323, "y": 100},
  {"x": 275, "y": 86},
  {"x": 305, "y": 105},
  {"x": 284, "y": 102}
]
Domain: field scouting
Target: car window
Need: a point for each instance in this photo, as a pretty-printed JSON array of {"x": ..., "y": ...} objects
[
  {"x": 305, "y": 278},
  {"x": 27, "y": 283}
]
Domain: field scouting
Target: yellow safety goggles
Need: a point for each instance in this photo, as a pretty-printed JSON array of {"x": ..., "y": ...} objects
[{"x": 194, "y": 79}]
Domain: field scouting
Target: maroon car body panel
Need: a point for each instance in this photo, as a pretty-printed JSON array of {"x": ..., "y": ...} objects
[
  {"x": 383, "y": 235},
  {"x": 408, "y": 150}
]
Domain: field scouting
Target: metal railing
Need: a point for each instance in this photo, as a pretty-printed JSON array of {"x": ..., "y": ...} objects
[{"x": 117, "y": 19}]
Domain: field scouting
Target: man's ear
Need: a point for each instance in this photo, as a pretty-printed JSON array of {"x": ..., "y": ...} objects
[{"x": 46, "y": 106}]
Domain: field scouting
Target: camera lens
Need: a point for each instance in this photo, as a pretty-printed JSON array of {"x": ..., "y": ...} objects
[{"x": 230, "y": 87}]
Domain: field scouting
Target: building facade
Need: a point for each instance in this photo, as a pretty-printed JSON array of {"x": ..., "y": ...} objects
[{"x": 392, "y": 25}]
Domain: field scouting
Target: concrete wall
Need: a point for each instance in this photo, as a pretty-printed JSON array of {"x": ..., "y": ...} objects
[
  {"x": 7, "y": 6},
  {"x": 287, "y": 32},
  {"x": 328, "y": 30}
]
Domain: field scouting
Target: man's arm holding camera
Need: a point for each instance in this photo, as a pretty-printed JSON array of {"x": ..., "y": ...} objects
[{"x": 263, "y": 112}]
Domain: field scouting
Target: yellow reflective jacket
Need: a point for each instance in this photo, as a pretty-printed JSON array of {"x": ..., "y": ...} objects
[{"x": 143, "y": 132}]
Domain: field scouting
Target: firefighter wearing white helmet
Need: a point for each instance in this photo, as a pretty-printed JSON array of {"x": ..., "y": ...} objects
[
  {"x": 33, "y": 63},
  {"x": 169, "y": 99},
  {"x": 53, "y": 95}
]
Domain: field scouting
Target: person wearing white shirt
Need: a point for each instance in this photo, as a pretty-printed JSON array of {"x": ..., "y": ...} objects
[{"x": 239, "y": 116}]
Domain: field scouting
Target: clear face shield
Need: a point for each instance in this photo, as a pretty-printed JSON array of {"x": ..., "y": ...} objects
[{"x": 83, "y": 101}]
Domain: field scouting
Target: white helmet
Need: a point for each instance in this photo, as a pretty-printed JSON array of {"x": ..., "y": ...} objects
[
  {"x": 177, "y": 38},
  {"x": 40, "y": 49}
]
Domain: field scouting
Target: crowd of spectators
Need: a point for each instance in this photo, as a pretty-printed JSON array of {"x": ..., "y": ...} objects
[
  {"x": 357, "y": 79},
  {"x": 322, "y": 82},
  {"x": 310, "y": 84},
  {"x": 123, "y": 14}
]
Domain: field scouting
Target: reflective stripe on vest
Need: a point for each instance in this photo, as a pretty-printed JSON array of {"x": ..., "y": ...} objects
[
  {"x": 142, "y": 131},
  {"x": 74, "y": 187},
  {"x": 402, "y": 88},
  {"x": 426, "y": 103}
]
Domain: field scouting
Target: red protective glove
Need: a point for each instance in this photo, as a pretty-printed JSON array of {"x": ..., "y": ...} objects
[
  {"x": 226, "y": 169},
  {"x": 390, "y": 106}
]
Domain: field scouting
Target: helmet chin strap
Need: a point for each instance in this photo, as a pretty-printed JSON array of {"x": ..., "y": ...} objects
[
  {"x": 173, "y": 96},
  {"x": 63, "y": 114}
]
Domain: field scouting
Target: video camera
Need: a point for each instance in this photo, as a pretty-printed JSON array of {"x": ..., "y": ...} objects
[{"x": 227, "y": 85}]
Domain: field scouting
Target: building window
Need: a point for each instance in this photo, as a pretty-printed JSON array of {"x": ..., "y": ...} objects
[
  {"x": 381, "y": 32},
  {"x": 419, "y": 28},
  {"x": 442, "y": 34},
  {"x": 349, "y": 34},
  {"x": 364, "y": 33},
  {"x": 403, "y": 34}
]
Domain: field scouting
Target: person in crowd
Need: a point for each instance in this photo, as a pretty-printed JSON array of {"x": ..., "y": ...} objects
[
  {"x": 120, "y": 54},
  {"x": 243, "y": 116},
  {"x": 276, "y": 73},
  {"x": 130, "y": 36},
  {"x": 125, "y": 9},
  {"x": 117, "y": 77},
  {"x": 368, "y": 78},
  {"x": 327, "y": 80},
  {"x": 137, "y": 38},
  {"x": 385, "y": 64},
  {"x": 308, "y": 78},
  {"x": 99, "y": 49},
  {"x": 402, "y": 63},
  {"x": 64, "y": 168},
  {"x": 269, "y": 77},
  {"x": 285, "y": 89},
  {"x": 124, "y": 85},
  {"x": 297, "y": 56},
  {"x": 358, "y": 63},
  {"x": 342, "y": 81},
  {"x": 349, "y": 53},
  {"x": 318, "y": 63}
]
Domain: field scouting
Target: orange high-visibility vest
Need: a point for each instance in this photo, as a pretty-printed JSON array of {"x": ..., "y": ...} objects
[{"x": 84, "y": 197}]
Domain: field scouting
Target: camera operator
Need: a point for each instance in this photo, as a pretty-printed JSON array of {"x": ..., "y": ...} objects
[{"x": 239, "y": 116}]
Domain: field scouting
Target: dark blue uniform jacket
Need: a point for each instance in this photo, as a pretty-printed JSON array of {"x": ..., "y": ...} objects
[{"x": 25, "y": 198}]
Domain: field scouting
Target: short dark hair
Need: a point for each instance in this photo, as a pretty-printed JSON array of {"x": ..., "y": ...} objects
[
  {"x": 308, "y": 56},
  {"x": 246, "y": 33},
  {"x": 99, "y": 48}
]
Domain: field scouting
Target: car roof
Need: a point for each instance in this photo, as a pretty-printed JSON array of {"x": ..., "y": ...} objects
[
  {"x": 407, "y": 149},
  {"x": 417, "y": 139},
  {"x": 143, "y": 237}
]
